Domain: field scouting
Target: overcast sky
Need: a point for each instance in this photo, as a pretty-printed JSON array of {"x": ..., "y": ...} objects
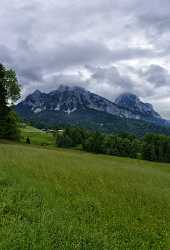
[{"x": 106, "y": 46}]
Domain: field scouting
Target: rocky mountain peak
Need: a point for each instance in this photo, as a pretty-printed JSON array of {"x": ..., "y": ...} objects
[
  {"x": 127, "y": 100},
  {"x": 74, "y": 99},
  {"x": 36, "y": 93},
  {"x": 134, "y": 104}
]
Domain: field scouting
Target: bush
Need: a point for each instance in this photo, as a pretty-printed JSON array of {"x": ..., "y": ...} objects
[
  {"x": 9, "y": 128},
  {"x": 64, "y": 141},
  {"x": 94, "y": 143}
]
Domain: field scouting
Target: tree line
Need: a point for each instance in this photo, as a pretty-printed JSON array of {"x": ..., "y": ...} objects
[{"x": 152, "y": 147}]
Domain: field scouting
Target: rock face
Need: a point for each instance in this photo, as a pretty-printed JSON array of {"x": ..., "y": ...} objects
[
  {"x": 69, "y": 100},
  {"x": 73, "y": 100},
  {"x": 134, "y": 104}
]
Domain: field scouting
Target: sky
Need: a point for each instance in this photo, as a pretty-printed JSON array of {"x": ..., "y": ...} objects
[{"x": 106, "y": 46}]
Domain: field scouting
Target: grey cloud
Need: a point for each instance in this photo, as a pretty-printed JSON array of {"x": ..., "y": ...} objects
[
  {"x": 156, "y": 75},
  {"x": 55, "y": 81},
  {"x": 48, "y": 43},
  {"x": 109, "y": 82},
  {"x": 5, "y": 55},
  {"x": 153, "y": 19},
  {"x": 112, "y": 77},
  {"x": 33, "y": 65}
]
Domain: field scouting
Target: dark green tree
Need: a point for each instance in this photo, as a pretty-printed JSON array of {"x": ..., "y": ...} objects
[
  {"x": 156, "y": 148},
  {"x": 94, "y": 143},
  {"x": 9, "y": 93},
  {"x": 3, "y": 92},
  {"x": 64, "y": 141}
]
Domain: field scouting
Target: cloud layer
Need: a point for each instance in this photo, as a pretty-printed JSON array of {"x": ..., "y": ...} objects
[{"x": 109, "y": 47}]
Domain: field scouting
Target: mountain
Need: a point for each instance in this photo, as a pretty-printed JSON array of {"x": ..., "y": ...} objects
[
  {"x": 77, "y": 106},
  {"x": 136, "y": 106},
  {"x": 73, "y": 99}
]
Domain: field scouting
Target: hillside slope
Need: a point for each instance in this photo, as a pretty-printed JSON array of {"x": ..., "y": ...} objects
[
  {"x": 95, "y": 120},
  {"x": 56, "y": 199}
]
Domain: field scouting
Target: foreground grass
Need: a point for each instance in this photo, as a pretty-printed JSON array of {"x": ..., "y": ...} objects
[{"x": 59, "y": 199}]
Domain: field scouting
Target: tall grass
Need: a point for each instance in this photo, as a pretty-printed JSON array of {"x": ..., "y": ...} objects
[{"x": 63, "y": 199}]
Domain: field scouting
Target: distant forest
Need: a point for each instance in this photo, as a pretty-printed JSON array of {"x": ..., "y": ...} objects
[{"x": 151, "y": 147}]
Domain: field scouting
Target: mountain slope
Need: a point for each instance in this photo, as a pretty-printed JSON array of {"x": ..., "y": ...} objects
[
  {"x": 134, "y": 104},
  {"x": 76, "y": 106},
  {"x": 71, "y": 99}
]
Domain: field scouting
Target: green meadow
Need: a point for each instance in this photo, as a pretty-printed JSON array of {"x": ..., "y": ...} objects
[
  {"x": 37, "y": 136},
  {"x": 65, "y": 199}
]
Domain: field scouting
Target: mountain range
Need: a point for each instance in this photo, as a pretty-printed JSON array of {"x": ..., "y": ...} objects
[{"x": 77, "y": 106}]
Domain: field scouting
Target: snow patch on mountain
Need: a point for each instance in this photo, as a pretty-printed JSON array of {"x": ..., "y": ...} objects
[{"x": 37, "y": 110}]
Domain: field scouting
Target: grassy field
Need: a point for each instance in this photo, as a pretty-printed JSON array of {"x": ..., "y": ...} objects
[
  {"x": 37, "y": 136},
  {"x": 63, "y": 199}
]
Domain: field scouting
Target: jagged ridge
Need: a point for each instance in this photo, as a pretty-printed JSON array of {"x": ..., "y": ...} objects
[
  {"x": 72, "y": 99},
  {"x": 77, "y": 106},
  {"x": 134, "y": 104}
]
